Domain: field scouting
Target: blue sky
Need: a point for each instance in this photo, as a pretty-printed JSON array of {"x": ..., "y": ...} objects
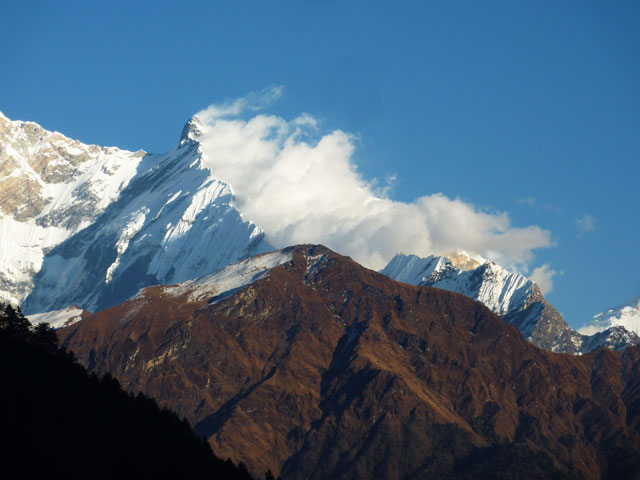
[{"x": 529, "y": 108}]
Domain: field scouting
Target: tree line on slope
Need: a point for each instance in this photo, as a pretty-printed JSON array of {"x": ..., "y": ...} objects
[{"x": 57, "y": 419}]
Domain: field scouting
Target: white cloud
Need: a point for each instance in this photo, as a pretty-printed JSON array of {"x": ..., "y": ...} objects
[
  {"x": 543, "y": 276},
  {"x": 253, "y": 102},
  {"x": 533, "y": 203},
  {"x": 584, "y": 224},
  {"x": 530, "y": 201},
  {"x": 302, "y": 187}
]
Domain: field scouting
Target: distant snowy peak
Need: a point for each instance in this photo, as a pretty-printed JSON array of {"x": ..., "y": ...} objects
[
  {"x": 626, "y": 315},
  {"x": 613, "y": 338},
  {"x": 421, "y": 271},
  {"x": 518, "y": 300},
  {"x": 413, "y": 269},
  {"x": 471, "y": 275}
]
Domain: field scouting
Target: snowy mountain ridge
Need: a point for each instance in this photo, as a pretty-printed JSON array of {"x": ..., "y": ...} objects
[
  {"x": 51, "y": 187},
  {"x": 228, "y": 280},
  {"x": 64, "y": 317},
  {"x": 94, "y": 224},
  {"x": 500, "y": 290},
  {"x": 514, "y": 297}
]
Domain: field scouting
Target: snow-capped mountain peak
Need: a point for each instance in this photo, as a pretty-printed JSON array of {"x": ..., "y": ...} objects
[
  {"x": 518, "y": 300},
  {"x": 191, "y": 131},
  {"x": 626, "y": 315},
  {"x": 88, "y": 225},
  {"x": 471, "y": 275}
]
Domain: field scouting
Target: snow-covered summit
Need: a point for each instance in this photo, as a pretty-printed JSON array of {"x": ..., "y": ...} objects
[
  {"x": 472, "y": 275},
  {"x": 626, "y": 315},
  {"x": 88, "y": 225},
  {"x": 518, "y": 300},
  {"x": 191, "y": 131}
]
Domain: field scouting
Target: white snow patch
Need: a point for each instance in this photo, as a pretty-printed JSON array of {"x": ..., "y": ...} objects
[
  {"x": 57, "y": 318},
  {"x": 127, "y": 233},
  {"x": 314, "y": 261},
  {"x": 230, "y": 278}
]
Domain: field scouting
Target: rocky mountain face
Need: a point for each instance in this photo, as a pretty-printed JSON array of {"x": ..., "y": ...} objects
[
  {"x": 89, "y": 226},
  {"x": 514, "y": 297},
  {"x": 304, "y": 362},
  {"x": 51, "y": 187}
]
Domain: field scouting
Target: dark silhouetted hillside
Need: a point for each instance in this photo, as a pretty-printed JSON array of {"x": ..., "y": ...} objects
[{"x": 57, "y": 421}]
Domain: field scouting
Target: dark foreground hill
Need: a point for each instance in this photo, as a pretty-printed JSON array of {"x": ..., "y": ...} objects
[
  {"x": 324, "y": 369},
  {"x": 59, "y": 422}
]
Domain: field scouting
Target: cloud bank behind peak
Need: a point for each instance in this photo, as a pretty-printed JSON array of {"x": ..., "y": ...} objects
[{"x": 302, "y": 186}]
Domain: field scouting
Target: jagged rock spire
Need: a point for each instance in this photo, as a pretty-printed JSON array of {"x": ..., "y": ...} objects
[{"x": 191, "y": 130}]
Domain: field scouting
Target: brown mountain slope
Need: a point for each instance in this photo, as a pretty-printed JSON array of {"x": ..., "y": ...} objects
[{"x": 324, "y": 369}]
